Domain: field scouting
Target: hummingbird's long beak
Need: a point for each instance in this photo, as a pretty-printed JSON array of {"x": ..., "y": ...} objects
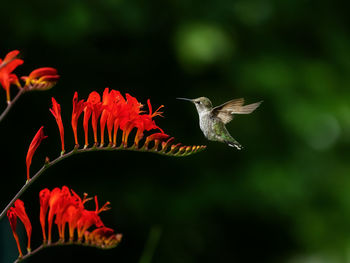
[{"x": 185, "y": 99}]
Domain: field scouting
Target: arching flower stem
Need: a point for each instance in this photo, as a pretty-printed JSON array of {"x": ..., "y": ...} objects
[
  {"x": 182, "y": 151},
  {"x": 55, "y": 244}
]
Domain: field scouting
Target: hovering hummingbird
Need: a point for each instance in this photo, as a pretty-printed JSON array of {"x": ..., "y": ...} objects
[{"x": 212, "y": 120}]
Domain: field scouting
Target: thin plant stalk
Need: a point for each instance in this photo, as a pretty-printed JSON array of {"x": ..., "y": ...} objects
[
  {"x": 46, "y": 245},
  {"x": 151, "y": 244},
  {"x": 11, "y": 103},
  {"x": 76, "y": 150}
]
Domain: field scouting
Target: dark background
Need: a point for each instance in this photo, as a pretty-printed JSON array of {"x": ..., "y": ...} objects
[{"x": 284, "y": 198}]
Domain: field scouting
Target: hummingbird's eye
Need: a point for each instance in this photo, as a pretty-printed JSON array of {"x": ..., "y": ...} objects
[{"x": 198, "y": 102}]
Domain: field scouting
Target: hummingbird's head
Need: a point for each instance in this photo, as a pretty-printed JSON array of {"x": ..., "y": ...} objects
[{"x": 201, "y": 103}]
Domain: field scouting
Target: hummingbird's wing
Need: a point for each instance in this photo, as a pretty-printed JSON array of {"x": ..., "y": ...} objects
[{"x": 225, "y": 111}]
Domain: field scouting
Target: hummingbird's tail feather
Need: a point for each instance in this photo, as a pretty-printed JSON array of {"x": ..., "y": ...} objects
[
  {"x": 235, "y": 144},
  {"x": 247, "y": 109}
]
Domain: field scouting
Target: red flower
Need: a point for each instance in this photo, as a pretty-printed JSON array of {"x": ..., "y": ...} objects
[
  {"x": 145, "y": 123},
  {"x": 130, "y": 113},
  {"x": 44, "y": 197},
  {"x": 57, "y": 203},
  {"x": 93, "y": 107},
  {"x": 90, "y": 218},
  {"x": 9, "y": 64},
  {"x": 86, "y": 220},
  {"x": 53, "y": 203},
  {"x": 78, "y": 107},
  {"x": 56, "y": 112},
  {"x": 41, "y": 79},
  {"x": 107, "y": 105},
  {"x": 19, "y": 211},
  {"x": 39, "y": 136},
  {"x": 117, "y": 112},
  {"x": 105, "y": 113},
  {"x": 11, "y": 215},
  {"x": 157, "y": 112},
  {"x": 66, "y": 201},
  {"x": 73, "y": 214}
]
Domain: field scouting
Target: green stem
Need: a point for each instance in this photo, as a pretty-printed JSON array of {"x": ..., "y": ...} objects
[
  {"x": 56, "y": 244},
  {"x": 12, "y": 102},
  {"x": 83, "y": 150},
  {"x": 34, "y": 178},
  {"x": 31, "y": 253},
  {"x": 151, "y": 244}
]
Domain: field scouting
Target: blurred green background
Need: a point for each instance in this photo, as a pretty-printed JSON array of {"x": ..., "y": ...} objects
[{"x": 284, "y": 198}]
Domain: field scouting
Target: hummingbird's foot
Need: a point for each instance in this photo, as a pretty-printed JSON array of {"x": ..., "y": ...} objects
[{"x": 234, "y": 144}]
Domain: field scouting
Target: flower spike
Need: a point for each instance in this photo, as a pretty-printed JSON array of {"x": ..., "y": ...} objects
[
  {"x": 68, "y": 207},
  {"x": 118, "y": 113},
  {"x": 39, "y": 136},
  {"x": 56, "y": 112},
  {"x": 62, "y": 207}
]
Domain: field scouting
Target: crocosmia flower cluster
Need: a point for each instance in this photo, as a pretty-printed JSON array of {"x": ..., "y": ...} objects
[
  {"x": 66, "y": 209},
  {"x": 113, "y": 113}
]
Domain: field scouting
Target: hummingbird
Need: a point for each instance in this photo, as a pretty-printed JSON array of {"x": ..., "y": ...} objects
[{"x": 212, "y": 121}]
